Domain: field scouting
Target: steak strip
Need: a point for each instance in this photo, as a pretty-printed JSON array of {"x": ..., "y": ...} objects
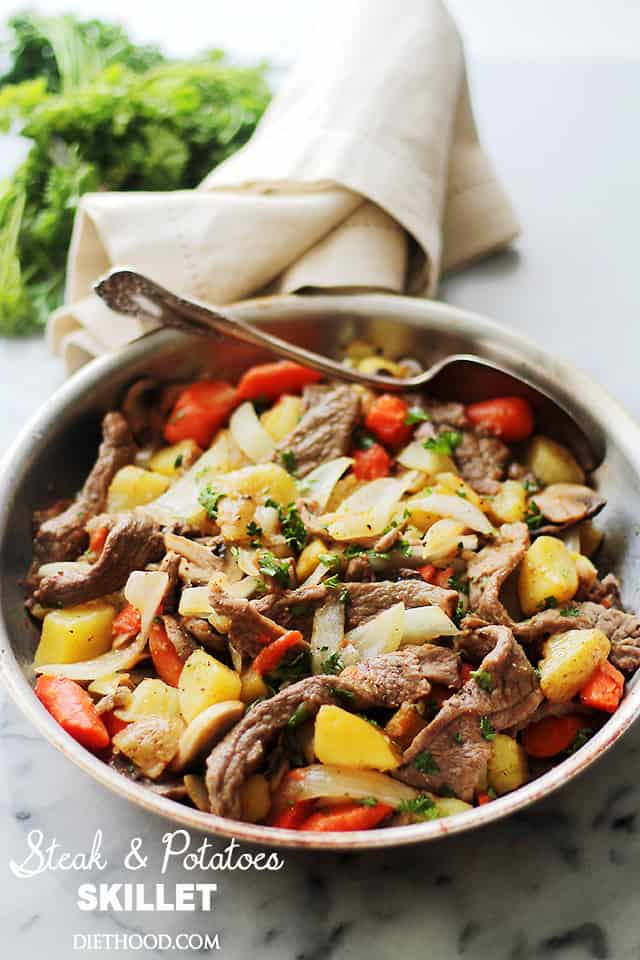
[
  {"x": 325, "y": 430},
  {"x": 384, "y": 681},
  {"x": 366, "y": 600},
  {"x": 491, "y": 567},
  {"x": 64, "y": 537},
  {"x": 249, "y": 630},
  {"x": 451, "y": 752},
  {"x": 130, "y": 545}
]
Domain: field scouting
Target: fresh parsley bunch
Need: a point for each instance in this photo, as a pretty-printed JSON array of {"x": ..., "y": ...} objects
[{"x": 102, "y": 114}]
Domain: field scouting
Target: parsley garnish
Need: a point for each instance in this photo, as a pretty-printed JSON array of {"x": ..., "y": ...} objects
[
  {"x": 253, "y": 529},
  {"x": 425, "y": 763},
  {"x": 293, "y": 529},
  {"x": 571, "y": 611},
  {"x": 345, "y": 695},
  {"x": 486, "y": 729},
  {"x": 483, "y": 678},
  {"x": 363, "y": 440},
  {"x": 422, "y": 806},
  {"x": 403, "y": 547},
  {"x": 580, "y": 739},
  {"x": 457, "y": 583},
  {"x": 209, "y": 499},
  {"x": 548, "y": 603},
  {"x": 177, "y": 463},
  {"x": 461, "y": 493},
  {"x": 289, "y": 462},
  {"x": 533, "y": 517},
  {"x": 531, "y": 486},
  {"x": 271, "y": 567},
  {"x": 345, "y": 596},
  {"x": 333, "y": 664},
  {"x": 354, "y": 550},
  {"x": 332, "y": 582},
  {"x": 416, "y": 415},
  {"x": 459, "y": 612},
  {"x": 330, "y": 560},
  {"x": 290, "y": 670},
  {"x": 368, "y": 801},
  {"x": 445, "y": 442},
  {"x": 458, "y": 738},
  {"x": 298, "y": 717}
]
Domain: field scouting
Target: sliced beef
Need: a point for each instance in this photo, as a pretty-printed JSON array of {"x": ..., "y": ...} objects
[
  {"x": 325, "y": 430},
  {"x": 366, "y": 600},
  {"x": 622, "y": 629},
  {"x": 605, "y": 591},
  {"x": 451, "y": 752},
  {"x": 292, "y": 609},
  {"x": 178, "y": 636},
  {"x": 204, "y": 634},
  {"x": 130, "y": 545},
  {"x": 448, "y": 413},
  {"x": 249, "y": 630},
  {"x": 405, "y": 676},
  {"x": 64, "y": 537},
  {"x": 491, "y": 567},
  {"x": 369, "y": 685},
  {"x": 359, "y": 568},
  {"x": 171, "y": 566},
  {"x": 146, "y": 406},
  {"x": 482, "y": 461}
]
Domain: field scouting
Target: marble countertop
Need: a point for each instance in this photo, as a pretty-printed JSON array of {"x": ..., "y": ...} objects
[{"x": 558, "y": 881}]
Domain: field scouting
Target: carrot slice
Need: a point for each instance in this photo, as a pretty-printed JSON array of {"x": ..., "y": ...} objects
[
  {"x": 127, "y": 621},
  {"x": 268, "y": 380},
  {"x": 291, "y": 817},
  {"x": 201, "y": 408},
  {"x": 165, "y": 657},
  {"x": 97, "y": 539},
  {"x": 372, "y": 463},
  {"x": 386, "y": 419},
  {"x": 269, "y": 658},
  {"x": 508, "y": 417},
  {"x": 604, "y": 688},
  {"x": 74, "y": 710},
  {"x": 347, "y": 816},
  {"x": 551, "y": 735}
]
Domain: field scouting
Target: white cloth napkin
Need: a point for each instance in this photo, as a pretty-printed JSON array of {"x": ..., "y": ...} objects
[{"x": 365, "y": 172}]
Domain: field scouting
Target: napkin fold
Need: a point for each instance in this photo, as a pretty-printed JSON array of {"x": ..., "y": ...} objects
[{"x": 366, "y": 171}]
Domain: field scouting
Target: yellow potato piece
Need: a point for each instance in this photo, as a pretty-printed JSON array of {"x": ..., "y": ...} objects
[
  {"x": 548, "y": 572},
  {"x": 255, "y": 798},
  {"x": 344, "y": 739},
  {"x": 133, "y": 487},
  {"x": 451, "y": 483},
  {"x": 310, "y": 558},
  {"x": 75, "y": 633},
  {"x": 449, "y": 806},
  {"x": 260, "y": 481},
  {"x": 507, "y": 768},
  {"x": 253, "y": 686},
  {"x": 552, "y": 463},
  {"x": 205, "y": 681},
  {"x": 377, "y": 364},
  {"x": 171, "y": 461},
  {"x": 568, "y": 661},
  {"x": 510, "y": 503},
  {"x": 283, "y": 417},
  {"x": 151, "y": 698}
]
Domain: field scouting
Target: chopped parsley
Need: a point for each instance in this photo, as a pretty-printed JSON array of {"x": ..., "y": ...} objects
[
  {"x": 254, "y": 530},
  {"x": 209, "y": 499},
  {"x": 531, "y": 486},
  {"x": 289, "y": 462},
  {"x": 293, "y": 529},
  {"x": 177, "y": 463},
  {"x": 486, "y": 729},
  {"x": 457, "y": 583},
  {"x": 363, "y": 440},
  {"x": 459, "y": 612},
  {"x": 422, "y": 806},
  {"x": 571, "y": 611},
  {"x": 368, "y": 801},
  {"x": 458, "y": 738},
  {"x": 483, "y": 678},
  {"x": 333, "y": 664},
  {"x": 332, "y": 582},
  {"x": 354, "y": 550},
  {"x": 580, "y": 739},
  {"x": 403, "y": 547},
  {"x": 445, "y": 442},
  {"x": 549, "y": 603},
  {"x": 416, "y": 415},
  {"x": 345, "y": 596},
  {"x": 290, "y": 670},
  {"x": 425, "y": 763},
  {"x": 272, "y": 567},
  {"x": 533, "y": 517},
  {"x": 298, "y": 717},
  {"x": 346, "y": 696},
  {"x": 461, "y": 493},
  {"x": 330, "y": 560}
]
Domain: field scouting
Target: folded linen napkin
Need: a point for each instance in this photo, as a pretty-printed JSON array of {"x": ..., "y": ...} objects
[{"x": 365, "y": 172}]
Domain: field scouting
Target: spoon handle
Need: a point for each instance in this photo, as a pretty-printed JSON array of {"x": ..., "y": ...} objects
[{"x": 132, "y": 293}]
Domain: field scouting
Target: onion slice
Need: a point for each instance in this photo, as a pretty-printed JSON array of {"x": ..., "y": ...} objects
[
  {"x": 124, "y": 658},
  {"x": 327, "y": 632},
  {"x": 250, "y": 435},
  {"x": 456, "y": 508},
  {"x": 324, "y": 780},
  {"x": 381, "y": 634},
  {"x": 318, "y": 485},
  {"x": 423, "y": 624}
]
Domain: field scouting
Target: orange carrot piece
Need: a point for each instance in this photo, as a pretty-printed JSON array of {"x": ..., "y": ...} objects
[
  {"x": 113, "y": 724},
  {"x": 508, "y": 417},
  {"x": 551, "y": 735},
  {"x": 267, "y": 381},
  {"x": 604, "y": 688},
  {"x": 291, "y": 817},
  {"x": 127, "y": 621},
  {"x": 97, "y": 539},
  {"x": 269, "y": 658},
  {"x": 428, "y": 572},
  {"x": 347, "y": 816},
  {"x": 74, "y": 710},
  {"x": 386, "y": 420},
  {"x": 372, "y": 463},
  {"x": 166, "y": 659},
  {"x": 201, "y": 408}
]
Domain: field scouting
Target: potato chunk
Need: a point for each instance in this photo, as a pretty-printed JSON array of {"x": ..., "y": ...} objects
[
  {"x": 552, "y": 463},
  {"x": 151, "y": 698},
  {"x": 255, "y": 798},
  {"x": 310, "y": 558},
  {"x": 76, "y": 633},
  {"x": 568, "y": 661},
  {"x": 547, "y": 573},
  {"x": 343, "y": 739},
  {"x": 172, "y": 461},
  {"x": 507, "y": 768},
  {"x": 510, "y": 503},
  {"x": 133, "y": 487},
  {"x": 283, "y": 417},
  {"x": 205, "y": 681}
]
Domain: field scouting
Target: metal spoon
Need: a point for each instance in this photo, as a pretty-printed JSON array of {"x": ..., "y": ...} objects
[{"x": 132, "y": 293}]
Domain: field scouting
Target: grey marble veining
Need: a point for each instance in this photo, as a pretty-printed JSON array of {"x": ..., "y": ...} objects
[{"x": 559, "y": 881}]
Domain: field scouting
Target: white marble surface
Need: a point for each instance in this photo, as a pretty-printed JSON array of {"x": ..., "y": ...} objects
[{"x": 560, "y": 881}]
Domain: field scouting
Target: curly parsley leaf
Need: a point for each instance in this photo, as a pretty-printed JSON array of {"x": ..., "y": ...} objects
[
  {"x": 272, "y": 567},
  {"x": 416, "y": 415},
  {"x": 533, "y": 517},
  {"x": 446, "y": 442},
  {"x": 209, "y": 499},
  {"x": 423, "y": 806},
  {"x": 486, "y": 729},
  {"x": 333, "y": 664},
  {"x": 484, "y": 679},
  {"x": 289, "y": 462},
  {"x": 425, "y": 763}
]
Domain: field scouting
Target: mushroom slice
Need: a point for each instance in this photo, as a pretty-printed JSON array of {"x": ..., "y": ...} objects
[
  {"x": 564, "y": 504},
  {"x": 197, "y": 792},
  {"x": 204, "y": 731}
]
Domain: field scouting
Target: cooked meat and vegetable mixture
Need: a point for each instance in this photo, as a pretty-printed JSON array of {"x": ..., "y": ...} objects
[{"x": 307, "y": 605}]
